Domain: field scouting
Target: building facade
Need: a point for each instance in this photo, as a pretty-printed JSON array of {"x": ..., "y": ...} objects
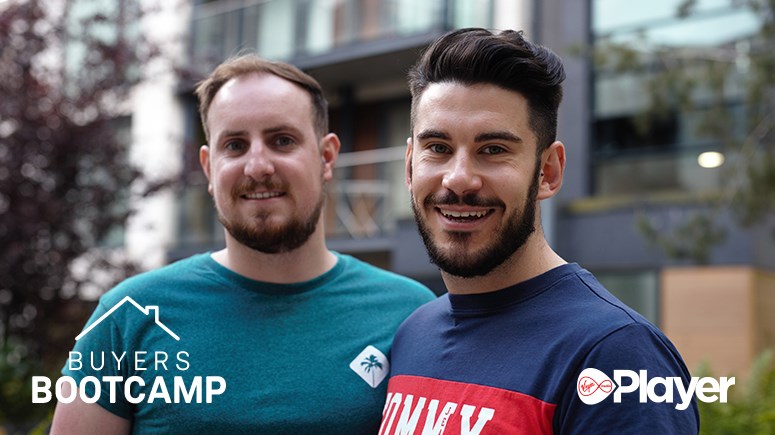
[{"x": 617, "y": 175}]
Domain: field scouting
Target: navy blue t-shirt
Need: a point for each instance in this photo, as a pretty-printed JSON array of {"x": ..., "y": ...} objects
[{"x": 510, "y": 362}]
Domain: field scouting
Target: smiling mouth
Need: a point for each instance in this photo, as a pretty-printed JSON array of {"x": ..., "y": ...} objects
[
  {"x": 465, "y": 216},
  {"x": 262, "y": 195}
]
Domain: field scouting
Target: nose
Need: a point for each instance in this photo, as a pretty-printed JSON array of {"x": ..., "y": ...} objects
[
  {"x": 462, "y": 176},
  {"x": 259, "y": 163}
]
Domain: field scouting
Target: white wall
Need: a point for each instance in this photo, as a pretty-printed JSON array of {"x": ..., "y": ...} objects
[{"x": 157, "y": 135}]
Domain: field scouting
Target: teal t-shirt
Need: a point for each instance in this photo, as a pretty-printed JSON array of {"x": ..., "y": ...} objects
[{"x": 307, "y": 357}]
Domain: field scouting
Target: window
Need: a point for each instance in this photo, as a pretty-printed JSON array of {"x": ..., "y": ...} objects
[
  {"x": 285, "y": 29},
  {"x": 638, "y": 289},
  {"x": 635, "y": 153}
]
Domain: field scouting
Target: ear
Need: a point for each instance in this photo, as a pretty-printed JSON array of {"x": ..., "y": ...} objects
[
  {"x": 551, "y": 170},
  {"x": 204, "y": 161},
  {"x": 408, "y": 164},
  {"x": 329, "y": 151}
]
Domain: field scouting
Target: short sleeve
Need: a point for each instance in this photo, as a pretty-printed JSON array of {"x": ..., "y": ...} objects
[
  {"x": 635, "y": 347},
  {"x": 99, "y": 352}
]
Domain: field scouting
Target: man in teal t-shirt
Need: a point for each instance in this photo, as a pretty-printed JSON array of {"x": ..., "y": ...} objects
[{"x": 274, "y": 333}]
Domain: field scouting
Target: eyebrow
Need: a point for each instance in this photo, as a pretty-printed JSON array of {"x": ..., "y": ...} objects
[
  {"x": 481, "y": 137},
  {"x": 432, "y": 134},
  {"x": 229, "y": 133},
  {"x": 280, "y": 128},
  {"x": 271, "y": 130},
  {"x": 497, "y": 135}
]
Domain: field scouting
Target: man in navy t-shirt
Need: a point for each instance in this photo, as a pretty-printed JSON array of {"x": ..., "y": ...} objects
[{"x": 524, "y": 342}]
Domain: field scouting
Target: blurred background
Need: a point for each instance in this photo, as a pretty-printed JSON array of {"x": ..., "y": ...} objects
[{"x": 667, "y": 119}]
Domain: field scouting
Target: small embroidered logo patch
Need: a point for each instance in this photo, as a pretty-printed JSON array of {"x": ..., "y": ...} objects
[{"x": 371, "y": 365}]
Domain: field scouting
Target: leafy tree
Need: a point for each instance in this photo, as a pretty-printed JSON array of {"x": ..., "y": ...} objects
[
  {"x": 66, "y": 70},
  {"x": 704, "y": 81},
  {"x": 750, "y": 409}
]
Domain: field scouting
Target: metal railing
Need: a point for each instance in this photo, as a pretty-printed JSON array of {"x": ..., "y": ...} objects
[{"x": 365, "y": 198}]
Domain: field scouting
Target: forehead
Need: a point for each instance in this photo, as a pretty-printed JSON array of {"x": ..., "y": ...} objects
[
  {"x": 260, "y": 97},
  {"x": 455, "y": 107}
]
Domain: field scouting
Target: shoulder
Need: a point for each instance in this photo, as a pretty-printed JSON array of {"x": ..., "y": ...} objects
[
  {"x": 423, "y": 323},
  {"x": 637, "y": 346},
  {"x": 149, "y": 284},
  {"x": 612, "y": 338},
  {"x": 589, "y": 309},
  {"x": 375, "y": 278},
  {"x": 627, "y": 357},
  {"x": 602, "y": 326}
]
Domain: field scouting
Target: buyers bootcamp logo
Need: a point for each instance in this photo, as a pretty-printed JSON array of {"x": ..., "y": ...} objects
[
  {"x": 136, "y": 389},
  {"x": 594, "y": 386}
]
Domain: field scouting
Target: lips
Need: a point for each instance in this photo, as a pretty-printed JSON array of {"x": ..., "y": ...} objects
[
  {"x": 262, "y": 195},
  {"x": 464, "y": 217},
  {"x": 462, "y": 213},
  {"x": 474, "y": 214}
]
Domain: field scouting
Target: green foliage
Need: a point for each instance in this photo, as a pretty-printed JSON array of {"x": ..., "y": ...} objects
[
  {"x": 691, "y": 239},
  {"x": 750, "y": 409},
  {"x": 16, "y": 370},
  {"x": 65, "y": 177}
]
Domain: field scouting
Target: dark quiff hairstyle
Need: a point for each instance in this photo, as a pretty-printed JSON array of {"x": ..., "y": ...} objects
[
  {"x": 475, "y": 55},
  {"x": 251, "y": 64}
]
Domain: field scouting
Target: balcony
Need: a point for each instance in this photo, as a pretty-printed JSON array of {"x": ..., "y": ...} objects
[
  {"x": 295, "y": 30},
  {"x": 367, "y": 195}
]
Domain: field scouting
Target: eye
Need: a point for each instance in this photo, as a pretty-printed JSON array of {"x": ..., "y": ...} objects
[
  {"x": 284, "y": 141},
  {"x": 438, "y": 148},
  {"x": 493, "y": 149},
  {"x": 234, "y": 145}
]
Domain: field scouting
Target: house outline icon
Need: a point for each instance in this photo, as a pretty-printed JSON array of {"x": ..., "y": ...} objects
[{"x": 147, "y": 310}]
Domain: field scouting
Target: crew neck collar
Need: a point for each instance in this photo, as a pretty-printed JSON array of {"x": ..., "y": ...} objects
[
  {"x": 484, "y": 303},
  {"x": 271, "y": 287}
]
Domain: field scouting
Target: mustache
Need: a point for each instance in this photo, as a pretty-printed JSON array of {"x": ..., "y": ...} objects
[
  {"x": 253, "y": 185},
  {"x": 470, "y": 199}
]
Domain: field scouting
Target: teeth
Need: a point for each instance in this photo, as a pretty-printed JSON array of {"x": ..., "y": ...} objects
[
  {"x": 463, "y": 214},
  {"x": 262, "y": 195}
]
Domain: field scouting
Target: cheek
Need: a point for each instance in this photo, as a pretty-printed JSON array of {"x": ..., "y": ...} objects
[
  {"x": 424, "y": 182},
  {"x": 224, "y": 176}
]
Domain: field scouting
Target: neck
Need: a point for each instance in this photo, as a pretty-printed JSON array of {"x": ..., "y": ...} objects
[
  {"x": 532, "y": 259},
  {"x": 308, "y": 261}
]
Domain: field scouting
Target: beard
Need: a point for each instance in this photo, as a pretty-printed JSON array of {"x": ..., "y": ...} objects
[
  {"x": 458, "y": 261},
  {"x": 256, "y": 234}
]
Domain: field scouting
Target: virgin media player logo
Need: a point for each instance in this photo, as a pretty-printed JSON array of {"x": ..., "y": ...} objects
[{"x": 593, "y": 386}]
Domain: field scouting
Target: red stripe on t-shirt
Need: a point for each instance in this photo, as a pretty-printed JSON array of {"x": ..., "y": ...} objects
[{"x": 419, "y": 405}]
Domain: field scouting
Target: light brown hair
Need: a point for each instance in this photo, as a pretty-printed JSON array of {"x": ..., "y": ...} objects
[{"x": 251, "y": 64}]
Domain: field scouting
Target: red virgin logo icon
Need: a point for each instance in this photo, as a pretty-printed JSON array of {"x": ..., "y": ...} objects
[
  {"x": 593, "y": 386},
  {"x": 588, "y": 386}
]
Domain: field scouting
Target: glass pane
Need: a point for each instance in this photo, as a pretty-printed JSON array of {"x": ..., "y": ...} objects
[
  {"x": 472, "y": 13},
  {"x": 321, "y": 24},
  {"x": 639, "y": 290},
  {"x": 413, "y": 16},
  {"x": 208, "y": 39},
  {"x": 665, "y": 172},
  {"x": 197, "y": 215},
  {"x": 276, "y": 29},
  {"x": 397, "y": 131},
  {"x": 617, "y": 15},
  {"x": 631, "y": 156}
]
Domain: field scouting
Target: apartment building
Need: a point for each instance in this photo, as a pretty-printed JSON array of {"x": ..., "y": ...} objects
[{"x": 360, "y": 51}]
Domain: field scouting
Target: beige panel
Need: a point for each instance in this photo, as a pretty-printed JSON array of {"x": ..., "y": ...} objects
[{"x": 708, "y": 313}]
